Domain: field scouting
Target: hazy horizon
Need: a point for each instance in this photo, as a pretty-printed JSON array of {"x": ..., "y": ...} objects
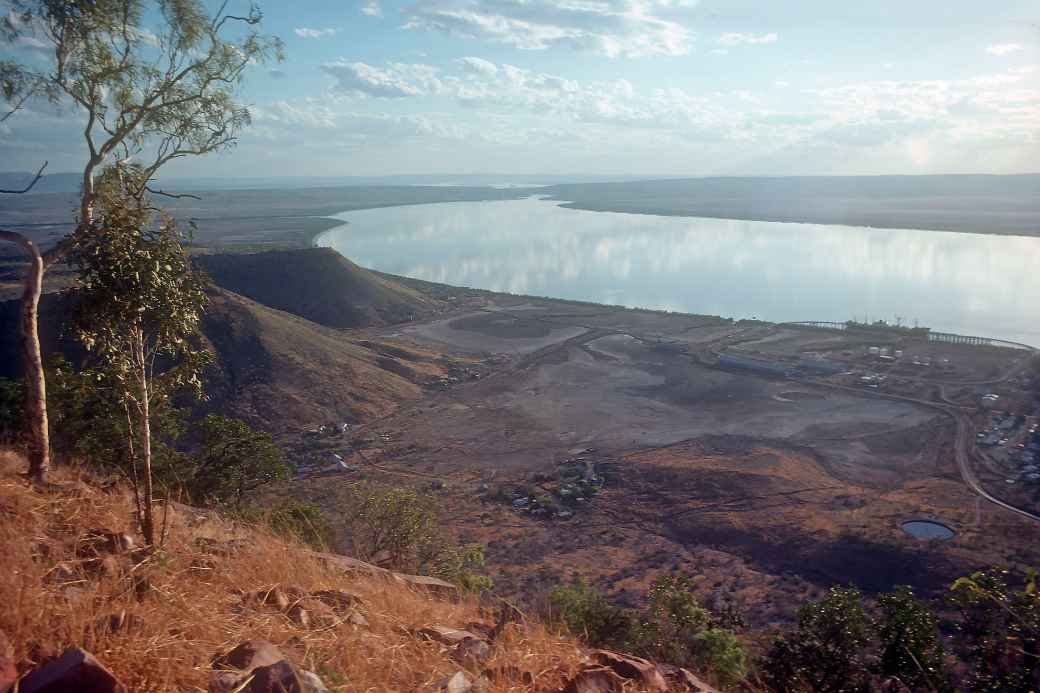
[{"x": 656, "y": 88}]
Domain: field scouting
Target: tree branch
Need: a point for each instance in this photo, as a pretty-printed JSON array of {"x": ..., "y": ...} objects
[
  {"x": 175, "y": 196},
  {"x": 36, "y": 178}
]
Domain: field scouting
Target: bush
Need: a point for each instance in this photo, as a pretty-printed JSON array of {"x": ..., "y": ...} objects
[
  {"x": 401, "y": 529},
  {"x": 586, "y": 613},
  {"x": 234, "y": 460},
  {"x": 293, "y": 519}
]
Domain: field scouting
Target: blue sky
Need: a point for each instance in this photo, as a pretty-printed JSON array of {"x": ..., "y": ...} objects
[{"x": 643, "y": 87}]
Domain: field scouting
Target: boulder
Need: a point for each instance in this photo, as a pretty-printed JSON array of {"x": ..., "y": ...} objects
[
  {"x": 104, "y": 566},
  {"x": 299, "y": 616},
  {"x": 280, "y": 677},
  {"x": 471, "y": 652},
  {"x": 355, "y": 618},
  {"x": 595, "y": 680},
  {"x": 633, "y": 668},
  {"x": 694, "y": 684},
  {"x": 75, "y": 670},
  {"x": 446, "y": 635},
  {"x": 97, "y": 542},
  {"x": 312, "y": 683},
  {"x": 249, "y": 655},
  {"x": 340, "y": 600},
  {"x": 8, "y": 671},
  {"x": 460, "y": 683}
]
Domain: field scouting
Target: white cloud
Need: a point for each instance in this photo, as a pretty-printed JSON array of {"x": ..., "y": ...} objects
[
  {"x": 1003, "y": 49},
  {"x": 733, "y": 38},
  {"x": 371, "y": 8},
  {"x": 395, "y": 81},
  {"x": 478, "y": 66},
  {"x": 304, "y": 32},
  {"x": 613, "y": 28}
]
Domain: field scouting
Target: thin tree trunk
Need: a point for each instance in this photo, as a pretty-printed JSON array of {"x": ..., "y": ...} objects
[
  {"x": 148, "y": 524},
  {"x": 38, "y": 434}
]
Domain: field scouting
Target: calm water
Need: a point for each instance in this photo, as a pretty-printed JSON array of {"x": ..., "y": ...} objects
[
  {"x": 926, "y": 529},
  {"x": 953, "y": 282}
]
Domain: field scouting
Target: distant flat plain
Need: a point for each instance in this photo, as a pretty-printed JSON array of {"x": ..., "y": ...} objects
[{"x": 293, "y": 217}]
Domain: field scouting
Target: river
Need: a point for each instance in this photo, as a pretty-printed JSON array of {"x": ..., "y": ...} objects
[{"x": 953, "y": 282}]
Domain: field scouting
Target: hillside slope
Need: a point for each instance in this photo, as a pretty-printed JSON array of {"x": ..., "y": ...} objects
[
  {"x": 282, "y": 371},
  {"x": 318, "y": 284},
  {"x": 170, "y": 620},
  {"x": 276, "y": 370}
]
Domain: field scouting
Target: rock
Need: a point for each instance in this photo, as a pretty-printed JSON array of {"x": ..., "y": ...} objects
[
  {"x": 61, "y": 574},
  {"x": 435, "y": 587},
  {"x": 224, "y": 681},
  {"x": 507, "y": 614},
  {"x": 249, "y": 655},
  {"x": 340, "y": 600},
  {"x": 106, "y": 566},
  {"x": 509, "y": 674},
  {"x": 693, "y": 683},
  {"x": 595, "y": 680},
  {"x": 355, "y": 618},
  {"x": 274, "y": 597},
  {"x": 483, "y": 630},
  {"x": 8, "y": 671},
  {"x": 119, "y": 621},
  {"x": 312, "y": 683},
  {"x": 299, "y": 616},
  {"x": 471, "y": 652},
  {"x": 637, "y": 669},
  {"x": 97, "y": 542},
  {"x": 143, "y": 587},
  {"x": 279, "y": 677},
  {"x": 445, "y": 635},
  {"x": 460, "y": 683},
  {"x": 75, "y": 670}
]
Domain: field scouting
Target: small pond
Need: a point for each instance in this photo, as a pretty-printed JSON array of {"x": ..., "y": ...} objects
[{"x": 927, "y": 529}]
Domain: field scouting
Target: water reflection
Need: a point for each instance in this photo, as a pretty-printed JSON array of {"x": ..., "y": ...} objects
[{"x": 967, "y": 283}]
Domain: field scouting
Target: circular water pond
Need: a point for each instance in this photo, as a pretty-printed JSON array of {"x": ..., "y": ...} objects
[{"x": 927, "y": 529}]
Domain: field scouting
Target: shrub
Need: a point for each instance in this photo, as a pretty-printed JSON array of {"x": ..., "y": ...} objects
[{"x": 585, "y": 612}]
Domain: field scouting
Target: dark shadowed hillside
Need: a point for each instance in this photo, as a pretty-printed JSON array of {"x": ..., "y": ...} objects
[
  {"x": 277, "y": 370},
  {"x": 318, "y": 284},
  {"x": 284, "y": 372}
]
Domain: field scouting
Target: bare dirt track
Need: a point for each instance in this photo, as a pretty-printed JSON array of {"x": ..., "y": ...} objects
[{"x": 767, "y": 489}]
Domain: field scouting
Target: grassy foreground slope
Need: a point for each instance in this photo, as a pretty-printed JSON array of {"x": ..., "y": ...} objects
[{"x": 157, "y": 620}]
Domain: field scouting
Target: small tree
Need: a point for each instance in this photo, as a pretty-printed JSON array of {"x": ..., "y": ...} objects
[
  {"x": 910, "y": 646},
  {"x": 825, "y": 653},
  {"x": 999, "y": 630},
  {"x": 672, "y": 619},
  {"x": 234, "y": 459},
  {"x": 139, "y": 303},
  {"x": 154, "y": 82}
]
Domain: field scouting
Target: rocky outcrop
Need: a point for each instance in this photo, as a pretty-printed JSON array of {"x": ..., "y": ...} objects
[
  {"x": 76, "y": 670},
  {"x": 257, "y": 666},
  {"x": 432, "y": 586},
  {"x": 606, "y": 672}
]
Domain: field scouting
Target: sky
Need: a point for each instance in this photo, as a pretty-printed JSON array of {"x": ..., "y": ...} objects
[{"x": 618, "y": 87}]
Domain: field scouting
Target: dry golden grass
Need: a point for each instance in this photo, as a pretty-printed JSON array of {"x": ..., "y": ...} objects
[{"x": 193, "y": 609}]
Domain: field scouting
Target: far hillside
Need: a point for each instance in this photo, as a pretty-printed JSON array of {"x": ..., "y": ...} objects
[
  {"x": 318, "y": 284},
  {"x": 1006, "y": 204}
]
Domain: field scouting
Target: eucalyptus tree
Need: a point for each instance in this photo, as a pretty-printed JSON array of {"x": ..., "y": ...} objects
[
  {"x": 152, "y": 82},
  {"x": 139, "y": 300}
]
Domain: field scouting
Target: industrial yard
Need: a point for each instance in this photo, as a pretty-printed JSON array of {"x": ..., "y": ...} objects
[{"x": 613, "y": 444}]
